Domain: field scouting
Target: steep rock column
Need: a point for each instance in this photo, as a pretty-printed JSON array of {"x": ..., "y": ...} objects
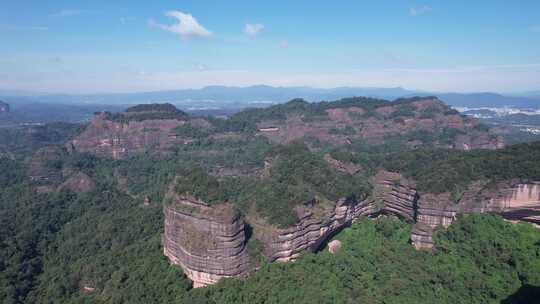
[
  {"x": 432, "y": 211},
  {"x": 208, "y": 242},
  {"x": 395, "y": 195}
]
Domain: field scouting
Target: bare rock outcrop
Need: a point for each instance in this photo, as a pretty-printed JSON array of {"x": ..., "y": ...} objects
[
  {"x": 208, "y": 242},
  {"x": 513, "y": 200},
  {"x": 394, "y": 194},
  {"x": 343, "y": 122},
  {"x": 334, "y": 246},
  {"x": 119, "y": 140},
  {"x": 316, "y": 225}
]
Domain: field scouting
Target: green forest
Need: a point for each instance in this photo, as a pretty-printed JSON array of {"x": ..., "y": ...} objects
[
  {"x": 56, "y": 245},
  {"x": 104, "y": 246}
]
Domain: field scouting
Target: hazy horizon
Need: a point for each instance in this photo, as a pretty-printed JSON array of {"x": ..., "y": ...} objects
[{"x": 124, "y": 47}]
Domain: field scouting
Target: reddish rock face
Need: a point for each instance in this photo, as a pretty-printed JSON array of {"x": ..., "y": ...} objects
[
  {"x": 119, "y": 140},
  {"x": 315, "y": 226},
  {"x": 208, "y": 242},
  {"x": 334, "y": 246},
  {"x": 511, "y": 199},
  {"x": 429, "y": 114}
]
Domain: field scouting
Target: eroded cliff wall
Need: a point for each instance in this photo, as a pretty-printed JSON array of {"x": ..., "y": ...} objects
[
  {"x": 513, "y": 200},
  {"x": 122, "y": 139},
  {"x": 208, "y": 242},
  {"x": 394, "y": 194},
  {"x": 315, "y": 226}
]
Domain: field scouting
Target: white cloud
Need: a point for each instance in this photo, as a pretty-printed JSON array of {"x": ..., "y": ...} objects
[
  {"x": 253, "y": 29},
  {"x": 417, "y": 11},
  {"x": 186, "y": 27},
  {"x": 67, "y": 13}
]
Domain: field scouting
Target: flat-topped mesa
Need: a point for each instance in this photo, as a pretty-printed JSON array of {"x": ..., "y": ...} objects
[
  {"x": 141, "y": 128},
  {"x": 316, "y": 225},
  {"x": 208, "y": 242},
  {"x": 415, "y": 121}
]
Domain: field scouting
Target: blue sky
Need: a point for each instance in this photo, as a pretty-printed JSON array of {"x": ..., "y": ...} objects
[{"x": 119, "y": 46}]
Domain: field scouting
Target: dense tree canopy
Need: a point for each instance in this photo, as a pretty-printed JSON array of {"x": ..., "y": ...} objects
[{"x": 479, "y": 259}]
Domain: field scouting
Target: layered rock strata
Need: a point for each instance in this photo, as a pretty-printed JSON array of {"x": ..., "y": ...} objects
[
  {"x": 395, "y": 195},
  {"x": 342, "y": 125},
  {"x": 512, "y": 200},
  {"x": 121, "y": 139},
  {"x": 314, "y": 227},
  {"x": 208, "y": 242}
]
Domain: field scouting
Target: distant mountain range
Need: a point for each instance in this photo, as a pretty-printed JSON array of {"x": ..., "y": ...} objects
[{"x": 214, "y": 97}]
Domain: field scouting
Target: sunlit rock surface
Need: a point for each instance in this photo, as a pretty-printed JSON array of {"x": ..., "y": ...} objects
[{"x": 208, "y": 242}]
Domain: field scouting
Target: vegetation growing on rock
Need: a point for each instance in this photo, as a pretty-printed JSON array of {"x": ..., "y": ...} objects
[
  {"x": 480, "y": 259},
  {"x": 296, "y": 176}
]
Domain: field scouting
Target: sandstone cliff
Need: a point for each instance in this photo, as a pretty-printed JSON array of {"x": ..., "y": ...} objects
[
  {"x": 514, "y": 200},
  {"x": 425, "y": 120},
  {"x": 208, "y": 242},
  {"x": 118, "y": 140},
  {"x": 315, "y": 226}
]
